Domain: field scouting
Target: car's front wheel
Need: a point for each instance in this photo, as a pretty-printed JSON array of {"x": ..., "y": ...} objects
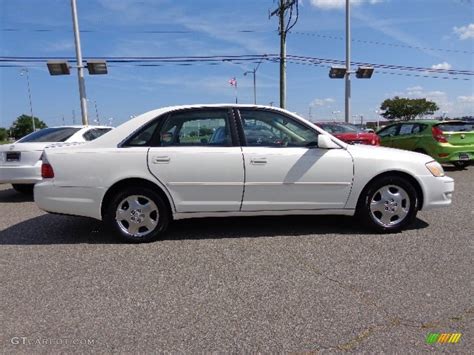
[
  {"x": 137, "y": 215},
  {"x": 26, "y": 189},
  {"x": 389, "y": 204}
]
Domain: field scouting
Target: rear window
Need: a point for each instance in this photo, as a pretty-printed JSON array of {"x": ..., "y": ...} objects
[
  {"x": 59, "y": 134},
  {"x": 456, "y": 127}
]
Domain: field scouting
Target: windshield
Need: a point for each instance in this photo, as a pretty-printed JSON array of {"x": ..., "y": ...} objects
[
  {"x": 456, "y": 127},
  {"x": 59, "y": 134},
  {"x": 340, "y": 128}
]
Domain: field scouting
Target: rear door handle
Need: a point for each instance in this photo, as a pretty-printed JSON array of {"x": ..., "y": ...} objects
[
  {"x": 258, "y": 161},
  {"x": 160, "y": 160}
]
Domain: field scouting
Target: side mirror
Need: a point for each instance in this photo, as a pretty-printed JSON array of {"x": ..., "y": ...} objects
[{"x": 325, "y": 142}]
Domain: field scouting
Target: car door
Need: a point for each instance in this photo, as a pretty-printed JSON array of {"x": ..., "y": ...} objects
[
  {"x": 284, "y": 168},
  {"x": 405, "y": 138},
  {"x": 387, "y": 135},
  {"x": 198, "y": 158}
]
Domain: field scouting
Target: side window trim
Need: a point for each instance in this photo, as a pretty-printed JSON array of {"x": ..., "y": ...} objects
[
  {"x": 230, "y": 119},
  {"x": 240, "y": 124}
]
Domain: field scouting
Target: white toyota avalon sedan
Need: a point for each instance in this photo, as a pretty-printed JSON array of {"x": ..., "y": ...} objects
[
  {"x": 20, "y": 163},
  {"x": 234, "y": 160}
]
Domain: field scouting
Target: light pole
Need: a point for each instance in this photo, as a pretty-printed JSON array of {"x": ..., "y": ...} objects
[
  {"x": 80, "y": 66},
  {"x": 254, "y": 72},
  {"x": 348, "y": 62},
  {"x": 338, "y": 72},
  {"x": 27, "y": 72}
]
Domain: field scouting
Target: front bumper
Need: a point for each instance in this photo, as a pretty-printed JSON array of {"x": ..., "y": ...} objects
[
  {"x": 437, "y": 191},
  {"x": 18, "y": 174},
  {"x": 76, "y": 201}
]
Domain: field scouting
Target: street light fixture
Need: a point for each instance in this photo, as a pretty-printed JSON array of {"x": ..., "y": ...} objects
[
  {"x": 337, "y": 72},
  {"x": 96, "y": 67},
  {"x": 58, "y": 67},
  {"x": 364, "y": 72}
]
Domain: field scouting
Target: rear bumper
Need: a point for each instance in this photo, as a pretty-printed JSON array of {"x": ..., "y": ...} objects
[
  {"x": 77, "y": 201},
  {"x": 453, "y": 153},
  {"x": 29, "y": 174},
  {"x": 437, "y": 191}
]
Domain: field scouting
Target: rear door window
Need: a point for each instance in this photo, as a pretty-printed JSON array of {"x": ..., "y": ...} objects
[{"x": 406, "y": 129}]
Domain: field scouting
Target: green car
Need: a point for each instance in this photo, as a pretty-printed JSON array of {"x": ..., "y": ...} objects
[{"x": 446, "y": 141}]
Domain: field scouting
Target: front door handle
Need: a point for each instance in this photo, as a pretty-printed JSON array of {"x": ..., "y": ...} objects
[
  {"x": 258, "y": 161},
  {"x": 160, "y": 160}
]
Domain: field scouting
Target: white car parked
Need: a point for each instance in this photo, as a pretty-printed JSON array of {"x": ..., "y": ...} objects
[
  {"x": 234, "y": 160},
  {"x": 20, "y": 163}
]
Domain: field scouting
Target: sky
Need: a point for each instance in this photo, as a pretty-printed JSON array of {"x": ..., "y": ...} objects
[{"x": 417, "y": 33}]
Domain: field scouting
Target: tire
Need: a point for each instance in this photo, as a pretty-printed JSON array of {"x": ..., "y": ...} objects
[
  {"x": 460, "y": 164},
  {"x": 26, "y": 189},
  {"x": 388, "y": 204},
  {"x": 137, "y": 215}
]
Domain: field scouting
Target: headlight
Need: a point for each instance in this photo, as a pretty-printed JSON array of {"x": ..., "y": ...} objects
[{"x": 435, "y": 168}]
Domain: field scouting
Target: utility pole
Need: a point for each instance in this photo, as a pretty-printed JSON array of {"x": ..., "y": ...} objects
[
  {"x": 283, "y": 29},
  {"x": 80, "y": 66},
  {"x": 348, "y": 63}
]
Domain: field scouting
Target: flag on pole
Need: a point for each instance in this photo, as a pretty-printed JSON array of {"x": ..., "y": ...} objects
[{"x": 233, "y": 82}]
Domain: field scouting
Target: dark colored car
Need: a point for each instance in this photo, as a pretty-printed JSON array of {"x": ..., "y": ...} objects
[{"x": 349, "y": 133}]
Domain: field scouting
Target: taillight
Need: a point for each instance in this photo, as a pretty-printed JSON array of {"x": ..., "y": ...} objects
[
  {"x": 438, "y": 135},
  {"x": 47, "y": 171}
]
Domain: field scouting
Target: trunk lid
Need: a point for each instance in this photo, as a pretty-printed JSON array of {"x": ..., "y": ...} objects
[{"x": 21, "y": 154}]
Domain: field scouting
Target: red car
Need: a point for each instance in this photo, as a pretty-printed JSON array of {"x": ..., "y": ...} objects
[{"x": 349, "y": 133}]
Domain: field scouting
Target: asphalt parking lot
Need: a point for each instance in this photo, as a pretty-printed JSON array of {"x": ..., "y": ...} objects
[{"x": 288, "y": 284}]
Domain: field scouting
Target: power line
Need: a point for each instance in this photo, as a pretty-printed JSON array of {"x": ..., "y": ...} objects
[
  {"x": 250, "y": 31},
  {"x": 154, "y": 61},
  {"x": 312, "y": 34}
]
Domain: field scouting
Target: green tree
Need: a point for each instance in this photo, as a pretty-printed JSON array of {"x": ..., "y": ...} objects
[
  {"x": 23, "y": 125},
  {"x": 3, "y": 134},
  {"x": 400, "y": 108},
  {"x": 204, "y": 131}
]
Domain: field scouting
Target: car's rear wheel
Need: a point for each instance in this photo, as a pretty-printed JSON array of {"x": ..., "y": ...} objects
[
  {"x": 137, "y": 215},
  {"x": 26, "y": 189},
  {"x": 388, "y": 204},
  {"x": 460, "y": 164}
]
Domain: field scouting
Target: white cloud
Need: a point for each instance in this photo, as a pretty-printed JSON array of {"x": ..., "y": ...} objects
[
  {"x": 323, "y": 102},
  {"x": 465, "y": 32},
  {"x": 443, "y": 66},
  {"x": 415, "y": 88},
  {"x": 340, "y": 4},
  {"x": 455, "y": 107},
  {"x": 466, "y": 99}
]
